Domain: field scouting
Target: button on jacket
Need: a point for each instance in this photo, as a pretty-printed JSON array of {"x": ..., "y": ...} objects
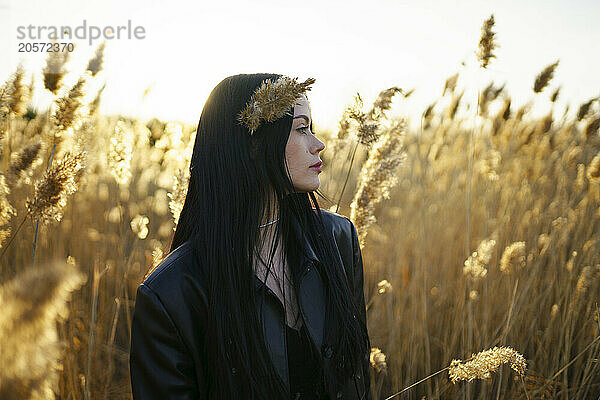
[{"x": 166, "y": 357}]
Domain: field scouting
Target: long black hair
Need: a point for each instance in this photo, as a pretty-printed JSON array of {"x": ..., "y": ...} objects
[{"x": 237, "y": 180}]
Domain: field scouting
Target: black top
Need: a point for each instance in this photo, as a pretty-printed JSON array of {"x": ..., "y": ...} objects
[{"x": 303, "y": 365}]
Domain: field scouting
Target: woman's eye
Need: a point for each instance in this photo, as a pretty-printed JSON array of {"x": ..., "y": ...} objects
[{"x": 302, "y": 129}]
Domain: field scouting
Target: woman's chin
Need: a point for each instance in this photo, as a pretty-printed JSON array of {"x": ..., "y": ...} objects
[{"x": 308, "y": 187}]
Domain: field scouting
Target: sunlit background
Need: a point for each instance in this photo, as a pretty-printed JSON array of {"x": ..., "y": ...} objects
[
  {"x": 349, "y": 47},
  {"x": 470, "y": 238}
]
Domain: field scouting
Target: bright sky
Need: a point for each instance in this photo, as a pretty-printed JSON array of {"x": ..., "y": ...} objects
[{"x": 348, "y": 46}]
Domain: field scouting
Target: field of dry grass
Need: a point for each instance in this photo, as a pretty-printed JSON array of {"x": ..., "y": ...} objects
[{"x": 480, "y": 230}]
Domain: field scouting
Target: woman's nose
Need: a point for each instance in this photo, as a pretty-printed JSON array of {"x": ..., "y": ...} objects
[{"x": 319, "y": 146}]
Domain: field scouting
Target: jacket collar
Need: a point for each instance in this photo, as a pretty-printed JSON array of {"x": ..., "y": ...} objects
[{"x": 308, "y": 254}]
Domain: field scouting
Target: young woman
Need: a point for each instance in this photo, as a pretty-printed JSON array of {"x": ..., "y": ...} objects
[{"x": 261, "y": 295}]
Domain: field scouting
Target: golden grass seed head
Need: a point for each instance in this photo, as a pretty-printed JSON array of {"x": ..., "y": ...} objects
[
  {"x": 489, "y": 94},
  {"x": 487, "y": 43},
  {"x": 591, "y": 127},
  {"x": 4, "y": 234},
  {"x": 428, "y": 114},
  {"x": 22, "y": 161},
  {"x": 368, "y": 130},
  {"x": 505, "y": 112},
  {"x": 95, "y": 63},
  {"x": 573, "y": 155},
  {"x": 180, "y": 186},
  {"x": 513, "y": 256},
  {"x": 593, "y": 170},
  {"x": 571, "y": 261},
  {"x": 54, "y": 71},
  {"x": 554, "y": 95},
  {"x": 157, "y": 256},
  {"x": 57, "y": 183},
  {"x": 580, "y": 180},
  {"x": 454, "y": 103},
  {"x": 139, "y": 226},
  {"x": 450, "y": 84},
  {"x": 68, "y": 108},
  {"x": 120, "y": 153},
  {"x": 482, "y": 364},
  {"x": 384, "y": 286},
  {"x": 378, "y": 360},
  {"x": 94, "y": 105},
  {"x": 544, "y": 77},
  {"x": 6, "y": 209},
  {"x": 476, "y": 265},
  {"x": 584, "y": 108},
  {"x": 377, "y": 177},
  {"x": 18, "y": 93},
  {"x": 383, "y": 102}
]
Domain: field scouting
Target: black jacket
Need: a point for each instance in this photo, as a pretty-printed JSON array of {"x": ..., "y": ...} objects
[{"x": 166, "y": 353}]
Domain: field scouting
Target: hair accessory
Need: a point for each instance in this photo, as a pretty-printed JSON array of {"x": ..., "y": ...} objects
[
  {"x": 272, "y": 100},
  {"x": 269, "y": 223}
]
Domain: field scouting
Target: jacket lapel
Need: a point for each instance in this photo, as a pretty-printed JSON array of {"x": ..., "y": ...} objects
[{"x": 311, "y": 294}]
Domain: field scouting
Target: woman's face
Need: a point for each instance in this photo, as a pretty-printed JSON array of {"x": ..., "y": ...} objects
[{"x": 302, "y": 150}]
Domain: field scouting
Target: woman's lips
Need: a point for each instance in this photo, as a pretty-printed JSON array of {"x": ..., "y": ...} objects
[{"x": 317, "y": 166}]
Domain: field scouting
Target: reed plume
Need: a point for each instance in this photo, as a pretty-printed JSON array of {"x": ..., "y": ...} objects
[
  {"x": 585, "y": 108},
  {"x": 554, "y": 95},
  {"x": 544, "y": 77},
  {"x": 368, "y": 131},
  {"x": 6, "y": 209},
  {"x": 593, "y": 170},
  {"x": 54, "y": 71},
  {"x": 428, "y": 115},
  {"x": 67, "y": 114},
  {"x": 482, "y": 364},
  {"x": 592, "y": 127},
  {"x": 476, "y": 265},
  {"x": 377, "y": 359},
  {"x": 377, "y": 177},
  {"x": 180, "y": 186},
  {"x": 384, "y": 286},
  {"x": 450, "y": 84},
  {"x": 584, "y": 281},
  {"x": 120, "y": 153},
  {"x": 489, "y": 94},
  {"x": 95, "y": 104},
  {"x": 30, "y": 349},
  {"x": 454, "y": 103},
  {"x": 487, "y": 43},
  {"x": 383, "y": 103},
  {"x": 513, "y": 256},
  {"x": 4, "y": 109},
  {"x": 18, "y": 93},
  {"x": 53, "y": 189},
  {"x": 23, "y": 162},
  {"x": 139, "y": 226},
  {"x": 95, "y": 63}
]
